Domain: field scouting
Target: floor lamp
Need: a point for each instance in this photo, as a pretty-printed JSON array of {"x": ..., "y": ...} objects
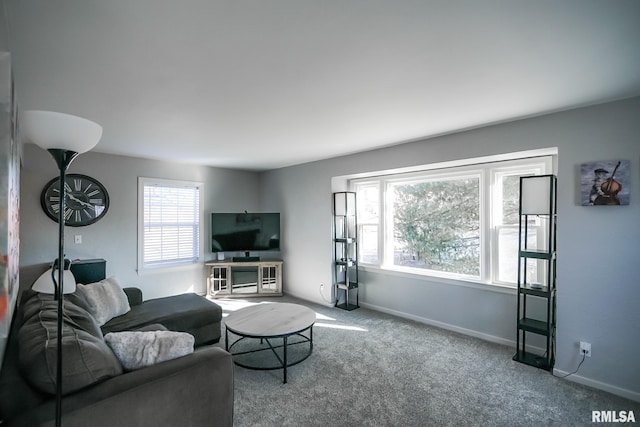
[{"x": 64, "y": 136}]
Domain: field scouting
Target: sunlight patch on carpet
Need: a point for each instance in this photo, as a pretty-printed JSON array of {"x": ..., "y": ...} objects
[
  {"x": 323, "y": 317},
  {"x": 229, "y": 305},
  {"x": 345, "y": 327}
]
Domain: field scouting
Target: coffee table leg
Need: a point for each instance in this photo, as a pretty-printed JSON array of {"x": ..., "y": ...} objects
[{"x": 285, "y": 360}]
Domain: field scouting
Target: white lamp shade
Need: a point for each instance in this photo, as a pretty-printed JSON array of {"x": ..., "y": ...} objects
[
  {"x": 345, "y": 203},
  {"x": 51, "y": 130},
  {"x": 45, "y": 284},
  {"x": 536, "y": 195}
]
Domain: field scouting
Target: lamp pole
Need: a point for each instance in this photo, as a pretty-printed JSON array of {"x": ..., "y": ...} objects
[
  {"x": 64, "y": 136},
  {"x": 63, "y": 158}
]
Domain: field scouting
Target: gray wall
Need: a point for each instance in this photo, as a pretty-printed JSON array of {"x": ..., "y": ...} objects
[
  {"x": 598, "y": 261},
  {"x": 114, "y": 238},
  {"x": 4, "y": 28}
]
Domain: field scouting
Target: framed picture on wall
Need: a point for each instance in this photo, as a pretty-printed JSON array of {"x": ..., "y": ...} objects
[
  {"x": 605, "y": 183},
  {"x": 9, "y": 198}
]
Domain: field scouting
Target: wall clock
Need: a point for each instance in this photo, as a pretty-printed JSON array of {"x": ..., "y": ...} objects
[{"x": 87, "y": 200}]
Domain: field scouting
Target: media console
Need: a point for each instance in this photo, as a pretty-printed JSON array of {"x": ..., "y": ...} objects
[{"x": 244, "y": 278}]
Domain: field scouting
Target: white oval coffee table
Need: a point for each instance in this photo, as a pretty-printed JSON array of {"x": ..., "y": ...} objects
[{"x": 268, "y": 321}]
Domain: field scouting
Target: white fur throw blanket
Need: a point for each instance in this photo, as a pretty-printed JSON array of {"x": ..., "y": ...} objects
[
  {"x": 106, "y": 299},
  {"x": 136, "y": 349}
]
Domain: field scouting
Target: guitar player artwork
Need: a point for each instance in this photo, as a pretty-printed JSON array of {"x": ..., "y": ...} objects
[{"x": 605, "y": 183}]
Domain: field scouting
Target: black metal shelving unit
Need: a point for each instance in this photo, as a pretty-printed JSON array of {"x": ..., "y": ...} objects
[
  {"x": 345, "y": 243},
  {"x": 541, "y": 258}
]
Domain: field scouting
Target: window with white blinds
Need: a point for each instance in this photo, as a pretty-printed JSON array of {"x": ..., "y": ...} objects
[{"x": 169, "y": 217}]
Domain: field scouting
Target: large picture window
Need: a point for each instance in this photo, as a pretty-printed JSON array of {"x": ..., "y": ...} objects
[
  {"x": 169, "y": 218},
  {"x": 457, "y": 222}
]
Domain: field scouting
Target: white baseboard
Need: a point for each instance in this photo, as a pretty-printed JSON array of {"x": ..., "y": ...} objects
[
  {"x": 324, "y": 301},
  {"x": 618, "y": 391},
  {"x": 442, "y": 325}
]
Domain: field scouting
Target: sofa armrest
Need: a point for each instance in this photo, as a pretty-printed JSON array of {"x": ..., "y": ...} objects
[
  {"x": 134, "y": 295},
  {"x": 193, "y": 390}
]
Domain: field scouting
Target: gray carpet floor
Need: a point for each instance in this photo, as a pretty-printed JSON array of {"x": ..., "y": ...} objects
[{"x": 372, "y": 369}]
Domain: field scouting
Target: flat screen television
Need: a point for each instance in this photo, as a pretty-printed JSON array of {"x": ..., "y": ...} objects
[{"x": 245, "y": 232}]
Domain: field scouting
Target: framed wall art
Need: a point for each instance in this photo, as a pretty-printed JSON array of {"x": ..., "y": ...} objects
[
  {"x": 9, "y": 199},
  {"x": 605, "y": 183}
]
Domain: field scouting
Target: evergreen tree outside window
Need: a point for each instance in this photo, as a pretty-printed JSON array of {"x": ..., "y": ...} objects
[{"x": 436, "y": 225}]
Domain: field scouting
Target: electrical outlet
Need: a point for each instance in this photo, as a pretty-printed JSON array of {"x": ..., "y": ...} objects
[{"x": 585, "y": 348}]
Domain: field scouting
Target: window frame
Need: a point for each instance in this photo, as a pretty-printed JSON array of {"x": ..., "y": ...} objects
[
  {"x": 169, "y": 264},
  {"x": 489, "y": 172},
  {"x": 363, "y": 223}
]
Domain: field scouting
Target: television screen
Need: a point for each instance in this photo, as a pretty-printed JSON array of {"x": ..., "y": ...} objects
[{"x": 246, "y": 231}]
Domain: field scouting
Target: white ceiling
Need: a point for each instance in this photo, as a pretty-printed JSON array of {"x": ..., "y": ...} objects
[{"x": 262, "y": 84}]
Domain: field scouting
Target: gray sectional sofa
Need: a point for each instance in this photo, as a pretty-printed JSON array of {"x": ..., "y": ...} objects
[{"x": 192, "y": 390}]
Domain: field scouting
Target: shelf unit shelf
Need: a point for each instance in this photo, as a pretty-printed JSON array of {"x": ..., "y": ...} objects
[
  {"x": 540, "y": 292},
  {"x": 345, "y": 250},
  {"x": 537, "y": 254},
  {"x": 532, "y": 359},
  {"x": 537, "y": 269},
  {"x": 350, "y": 285},
  {"x": 345, "y": 240},
  {"x": 536, "y": 326}
]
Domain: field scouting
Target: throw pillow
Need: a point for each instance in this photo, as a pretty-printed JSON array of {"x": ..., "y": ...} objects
[
  {"x": 87, "y": 359},
  {"x": 137, "y": 349},
  {"x": 105, "y": 299}
]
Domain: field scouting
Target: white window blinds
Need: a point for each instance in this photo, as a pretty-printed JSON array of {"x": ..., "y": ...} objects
[{"x": 170, "y": 223}]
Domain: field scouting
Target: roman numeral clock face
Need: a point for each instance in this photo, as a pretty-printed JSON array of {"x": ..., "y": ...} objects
[{"x": 86, "y": 201}]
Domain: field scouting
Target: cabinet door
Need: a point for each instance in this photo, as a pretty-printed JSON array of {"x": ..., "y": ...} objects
[
  {"x": 270, "y": 278},
  {"x": 219, "y": 280}
]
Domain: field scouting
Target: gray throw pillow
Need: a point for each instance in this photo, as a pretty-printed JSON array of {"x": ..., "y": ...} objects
[
  {"x": 105, "y": 299},
  {"x": 137, "y": 349},
  {"x": 86, "y": 357}
]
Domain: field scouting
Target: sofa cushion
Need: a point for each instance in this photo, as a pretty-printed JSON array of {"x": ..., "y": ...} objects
[
  {"x": 86, "y": 357},
  {"x": 184, "y": 313},
  {"x": 137, "y": 349},
  {"x": 153, "y": 327},
  {"x": 105, "y": 299}
]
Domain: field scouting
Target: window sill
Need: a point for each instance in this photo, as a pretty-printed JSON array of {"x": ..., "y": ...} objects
[
  {"x": 468, "y": 283},
  {"x": 170, "y": 269}
]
